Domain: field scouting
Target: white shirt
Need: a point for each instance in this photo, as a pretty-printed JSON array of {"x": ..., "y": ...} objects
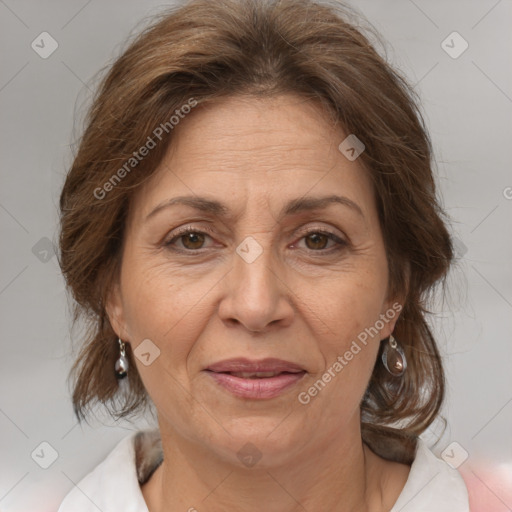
[{"x": 114, "y": 485}]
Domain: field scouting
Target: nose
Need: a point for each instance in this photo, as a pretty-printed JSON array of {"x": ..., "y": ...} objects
[{"x": 257, "y": 295}]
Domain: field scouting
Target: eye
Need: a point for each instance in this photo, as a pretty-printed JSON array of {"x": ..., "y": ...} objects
[
  {"x": 317, "y": 239},
  {"x": 191, "y": 239}
]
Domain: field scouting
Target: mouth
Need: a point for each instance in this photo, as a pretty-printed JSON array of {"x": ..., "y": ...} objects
[
  {"x": 263, "y": 366},
  {"x": 257, "y": 375},
  {"x": 263, "y": 379}
]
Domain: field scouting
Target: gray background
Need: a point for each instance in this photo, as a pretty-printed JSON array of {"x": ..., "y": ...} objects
[{"x": 468, "y": 105}]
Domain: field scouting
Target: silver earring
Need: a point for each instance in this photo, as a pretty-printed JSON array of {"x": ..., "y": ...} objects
[
  {"x": 121, "y": 366},
  {"x": 393, "y": 358}
]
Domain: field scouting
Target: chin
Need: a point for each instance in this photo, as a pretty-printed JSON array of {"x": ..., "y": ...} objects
[{"x": 259, "y": 442}]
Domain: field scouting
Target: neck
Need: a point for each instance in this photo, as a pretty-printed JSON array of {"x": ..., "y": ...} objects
[{"x": 341, "y": 476}]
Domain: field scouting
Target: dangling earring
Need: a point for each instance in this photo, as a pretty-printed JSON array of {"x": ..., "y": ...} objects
[
  {"x": 393, "y": 358},
  {"x": 121, "y": 366}
]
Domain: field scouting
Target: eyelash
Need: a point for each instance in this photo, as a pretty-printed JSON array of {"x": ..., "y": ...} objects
[{"x": 341, "y": 244}]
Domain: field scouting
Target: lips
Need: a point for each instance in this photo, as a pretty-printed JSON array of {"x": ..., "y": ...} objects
[
  {"x": 263, "y": 379},
  {"x": 255, "y": 375},
  {"x": 241, "y": 365}
]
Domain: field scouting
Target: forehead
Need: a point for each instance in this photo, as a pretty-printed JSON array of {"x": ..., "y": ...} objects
[{"x": 262, "y": 151}]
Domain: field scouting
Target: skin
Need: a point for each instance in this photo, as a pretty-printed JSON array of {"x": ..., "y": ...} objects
[{"x": 301, "y": 300}]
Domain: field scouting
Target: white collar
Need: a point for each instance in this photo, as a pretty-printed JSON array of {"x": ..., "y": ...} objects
[{"x": 432, "y": 486}]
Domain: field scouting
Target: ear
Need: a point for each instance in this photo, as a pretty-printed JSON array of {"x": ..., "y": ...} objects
[
  {"x": 393, "y": 306},
  {"x": 115, "y": 312},
  {"x": 389, "y": 316}
]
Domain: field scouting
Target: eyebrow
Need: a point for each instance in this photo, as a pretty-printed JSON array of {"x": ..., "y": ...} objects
[{"x": 294, "y": 206}]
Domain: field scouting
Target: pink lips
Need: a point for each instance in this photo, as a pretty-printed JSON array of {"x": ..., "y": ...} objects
[{"x": 263, "y": 379}]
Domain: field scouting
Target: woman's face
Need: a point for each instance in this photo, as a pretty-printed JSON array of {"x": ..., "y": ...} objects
[{"x": 264, "y": 283}]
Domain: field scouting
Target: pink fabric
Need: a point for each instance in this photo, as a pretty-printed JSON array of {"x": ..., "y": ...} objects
[{"x": 489, "y": 486}]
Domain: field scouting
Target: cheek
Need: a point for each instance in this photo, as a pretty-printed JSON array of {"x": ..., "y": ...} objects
[
  {"x": 168, "y": 312},
  {"x": 157, "y": 296},
  {"x": 351, "y": 303},
  {"x": 350, "y": 308},
  {"x": 334, "y": 393},
  {"x": 162, "y": 307}
]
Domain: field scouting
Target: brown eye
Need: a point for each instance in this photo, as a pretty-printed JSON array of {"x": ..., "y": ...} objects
[
  {"x": 192, "y": 240},
  {"x": 318, "y": 241}
]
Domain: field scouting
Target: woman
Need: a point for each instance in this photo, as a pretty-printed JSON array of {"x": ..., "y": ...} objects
[{"x": 251, "y": 227}]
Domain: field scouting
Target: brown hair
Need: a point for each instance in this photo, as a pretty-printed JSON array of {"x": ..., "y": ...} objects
[{"x": 204, "y": 50}]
